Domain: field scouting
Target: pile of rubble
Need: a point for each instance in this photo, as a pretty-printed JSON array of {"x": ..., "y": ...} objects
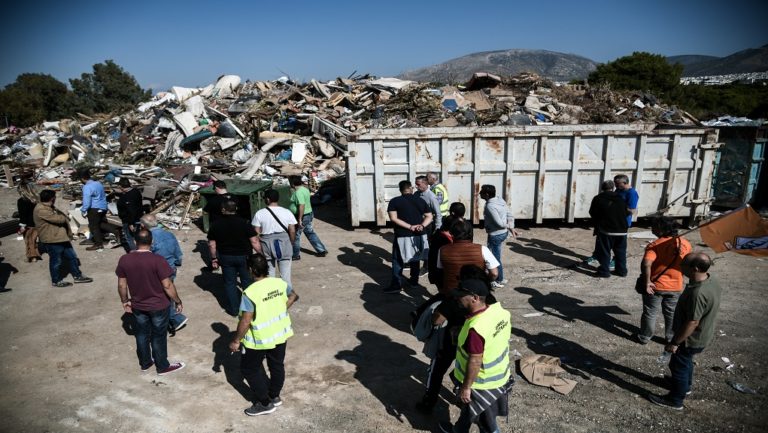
[{"x": 267, "y": 130}]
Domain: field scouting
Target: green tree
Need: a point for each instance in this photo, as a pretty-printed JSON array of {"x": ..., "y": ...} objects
[
  {"x": 33, "y": 98},
  {"x": 108, "y": 88},
  {"x": 640, "y": 71}
]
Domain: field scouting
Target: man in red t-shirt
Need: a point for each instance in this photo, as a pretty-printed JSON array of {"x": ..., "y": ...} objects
[{"x": 145, "y": 288}]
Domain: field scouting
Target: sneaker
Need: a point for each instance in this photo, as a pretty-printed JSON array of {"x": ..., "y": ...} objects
[
  {"x": 259, "y": 409},
  {"x": 641, "y": 340},
  {"x": 62, "y": 284},
  {"x": 146, "y": 369},
  {"x": 181, "y": 325},
  {"x": 176, "y": 366},
  {"x": 392, "y": 290},
  {"x": 83, "y": 279},
  {"x": 445, "y": 427},
  {"x": 591, "y": 261},
  {"x": 277, "y": 401},
  {"x": 323, "y": 254},
  {"x": 663, "y": 402},
  {"x": 296, "y": 258},
  {"x": 612, "y": 266},
  {"x": 497, "y": 284},
  {"x": 95, "y": 247}
]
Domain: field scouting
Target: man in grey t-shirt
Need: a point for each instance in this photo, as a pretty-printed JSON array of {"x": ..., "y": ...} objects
[{"x": 499, "y": 222}]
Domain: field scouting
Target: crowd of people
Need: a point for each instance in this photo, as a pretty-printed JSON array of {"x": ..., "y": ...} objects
[
  {"x": 463, "y": 324},
  {"x": 460, "y": 324}
]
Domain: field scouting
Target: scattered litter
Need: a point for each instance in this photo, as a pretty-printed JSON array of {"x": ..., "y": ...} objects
[
  {"x": 642, "y": 235},
  {"x": 533, "y": 314},
  {"x": 741, "y": 388}
]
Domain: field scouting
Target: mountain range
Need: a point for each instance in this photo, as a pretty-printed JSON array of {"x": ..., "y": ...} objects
[{"x": 565, "y": 67}]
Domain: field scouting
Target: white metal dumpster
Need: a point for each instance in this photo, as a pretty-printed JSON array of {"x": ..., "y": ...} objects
[{"x": 543, "y": 172}]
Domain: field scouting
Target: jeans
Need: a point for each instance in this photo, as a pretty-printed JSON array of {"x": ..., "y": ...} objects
[
  {"x": 152, "y": 338},
  {"x": 651, "y": 304},
  {"x": 317, "y": 244},
  {"x": 681, "y": 366},
  {"x": 128, "y": 235},
  {"x": 231, "y": 267},
  {"x": 56, "y": 252},
  {"x": 603, "y": 247},
  {"x": 486, "y": 421},
  {"x": 398, "y": 265},
  {"x": 252, "y": 367},
  {"x": 495, "y": 242}
]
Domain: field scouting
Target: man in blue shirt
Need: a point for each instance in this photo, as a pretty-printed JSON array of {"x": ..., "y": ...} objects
[
  {"x": 164, "y": 244},
  {"x": 95, "y": 209},
  {"x": 629, "y": 194}
]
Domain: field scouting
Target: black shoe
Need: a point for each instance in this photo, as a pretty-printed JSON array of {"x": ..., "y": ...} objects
[
  {"x": 663, "y": 402},
  {"x": 62, "y": 284},
  {"x": 83, "y": 279},
  {"x": 276, "y": 401},
  {"x": 296, "y": 258},
  {"x": 323, "y": 254},
  {"x": 260, "y": 409}
]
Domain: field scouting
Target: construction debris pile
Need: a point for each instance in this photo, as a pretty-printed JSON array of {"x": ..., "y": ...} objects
[{"x": 267, "y": 130}]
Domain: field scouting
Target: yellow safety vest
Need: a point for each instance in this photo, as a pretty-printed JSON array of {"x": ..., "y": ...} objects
[
  {"x": 441, "y": 191},
  {"x": 271, "y": 324},
  {"x": 495, "y": 327}
]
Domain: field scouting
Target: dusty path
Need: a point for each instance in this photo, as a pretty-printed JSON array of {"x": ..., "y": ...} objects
[{"x": 67, "y": 364}]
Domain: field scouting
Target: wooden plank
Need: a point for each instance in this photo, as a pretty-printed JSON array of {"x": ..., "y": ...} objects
[{"x": 8, "y": 175}]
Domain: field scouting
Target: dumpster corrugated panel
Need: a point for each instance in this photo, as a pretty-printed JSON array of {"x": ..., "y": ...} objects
[{"x": 543, "y": 172}]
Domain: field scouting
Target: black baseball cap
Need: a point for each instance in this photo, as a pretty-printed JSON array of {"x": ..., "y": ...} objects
[{"x": 472, "y": 287}]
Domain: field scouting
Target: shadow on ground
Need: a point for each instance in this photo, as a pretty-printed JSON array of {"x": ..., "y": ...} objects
[
  {"x": 569, "y": 309},
  {"x": 389, "y": 371},
  {"x": 230, "y": 362}
]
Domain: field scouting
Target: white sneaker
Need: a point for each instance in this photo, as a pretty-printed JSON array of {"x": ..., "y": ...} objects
[{"x": 497, "y": 284}]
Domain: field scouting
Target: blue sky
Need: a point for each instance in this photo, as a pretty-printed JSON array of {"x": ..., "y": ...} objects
[{"x": 191, "y": 43}]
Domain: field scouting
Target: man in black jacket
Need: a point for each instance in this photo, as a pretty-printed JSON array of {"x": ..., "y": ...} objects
[
  {"x": 609, "y": 213},
  {"x": 130, "y": 211}
]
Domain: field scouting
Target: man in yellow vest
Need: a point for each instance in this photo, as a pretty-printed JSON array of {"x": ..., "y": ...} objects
[
  {"x": 482, "y": 367},
  {"x": 263, "y": 330},
  {"x": 441, "y": 192}
]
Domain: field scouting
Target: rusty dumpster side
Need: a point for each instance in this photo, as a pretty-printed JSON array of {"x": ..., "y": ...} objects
[{"x": 543, "y": 172}]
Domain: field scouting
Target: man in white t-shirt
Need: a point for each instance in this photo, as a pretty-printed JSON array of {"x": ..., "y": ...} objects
[
  {"x": 276, "y": 227},
  {"x": 452, "y": 257}
]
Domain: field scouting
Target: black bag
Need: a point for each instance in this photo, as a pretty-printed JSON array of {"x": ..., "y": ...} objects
[{"x": 640, "y": 285}]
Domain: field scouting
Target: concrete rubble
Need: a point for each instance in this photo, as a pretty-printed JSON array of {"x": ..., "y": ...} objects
[{"x": 184, "y": 138}]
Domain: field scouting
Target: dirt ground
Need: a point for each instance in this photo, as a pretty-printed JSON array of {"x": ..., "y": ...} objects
[{"x": 68, "y": 365}]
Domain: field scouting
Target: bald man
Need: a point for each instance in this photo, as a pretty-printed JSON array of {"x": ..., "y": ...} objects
[{"x": 694, "y": 326}]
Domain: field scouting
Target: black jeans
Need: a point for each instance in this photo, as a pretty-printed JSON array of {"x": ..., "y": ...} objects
[
  {"x": 97, "y": 224},
  {"x": 252, "y": 367},
  {"x": 603, "y": 247},
  {"x": 439, "y": 366}
]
